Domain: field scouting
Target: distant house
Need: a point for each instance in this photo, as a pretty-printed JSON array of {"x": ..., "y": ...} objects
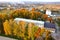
[
  {"x": 57, "y": 13},
  {"x": 1, "y": 8}
]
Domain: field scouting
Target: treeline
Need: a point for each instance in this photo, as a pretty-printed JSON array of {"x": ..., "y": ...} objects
[{"x": 26, "y": 31}]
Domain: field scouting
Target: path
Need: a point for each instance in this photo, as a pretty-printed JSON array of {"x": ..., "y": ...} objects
[{"x": 6, "y": 38}]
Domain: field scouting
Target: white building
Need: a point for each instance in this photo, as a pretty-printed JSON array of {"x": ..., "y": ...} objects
[
  {"x": 38, "y": 23},
  {"x": 48, "y": 12}
]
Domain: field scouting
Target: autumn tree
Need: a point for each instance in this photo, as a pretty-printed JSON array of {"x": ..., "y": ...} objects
[
  {"x": 44, "y": 16},
  {"x": 49, "y": 19},
  {"x": 22, "y": 29},
  {"x": 7, "y": 27},
  {"x": 33, "y": 9}
]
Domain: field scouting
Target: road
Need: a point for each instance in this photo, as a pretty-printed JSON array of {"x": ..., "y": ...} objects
[{"x": 56, "y": 35}]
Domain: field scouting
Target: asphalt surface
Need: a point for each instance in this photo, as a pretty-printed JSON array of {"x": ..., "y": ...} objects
[{"x": 56, "y": 35}]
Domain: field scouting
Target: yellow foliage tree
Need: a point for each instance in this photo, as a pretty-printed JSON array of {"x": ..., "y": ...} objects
[
  {"x": 42, "y": 31},
  {"x": 47, "y": 35},
  {"x": 7, "y": 27},
  {"x": 22, "y": 28},
  {"x": 16, "y": 29}
]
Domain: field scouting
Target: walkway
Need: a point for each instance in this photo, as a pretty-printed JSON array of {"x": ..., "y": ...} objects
[{"x": 6, "y": 38}]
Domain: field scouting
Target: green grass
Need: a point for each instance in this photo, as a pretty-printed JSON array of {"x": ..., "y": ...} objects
[{"x": 58, "y": 23}]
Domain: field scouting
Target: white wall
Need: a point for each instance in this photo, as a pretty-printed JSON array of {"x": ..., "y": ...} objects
[{"x": 38, "y": 23}]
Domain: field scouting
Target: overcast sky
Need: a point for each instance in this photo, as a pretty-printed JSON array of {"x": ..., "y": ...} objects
[{"x": 30, "y": 0}]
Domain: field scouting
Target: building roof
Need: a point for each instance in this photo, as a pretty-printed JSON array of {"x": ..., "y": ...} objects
[{"x": 49, "y": 25}]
